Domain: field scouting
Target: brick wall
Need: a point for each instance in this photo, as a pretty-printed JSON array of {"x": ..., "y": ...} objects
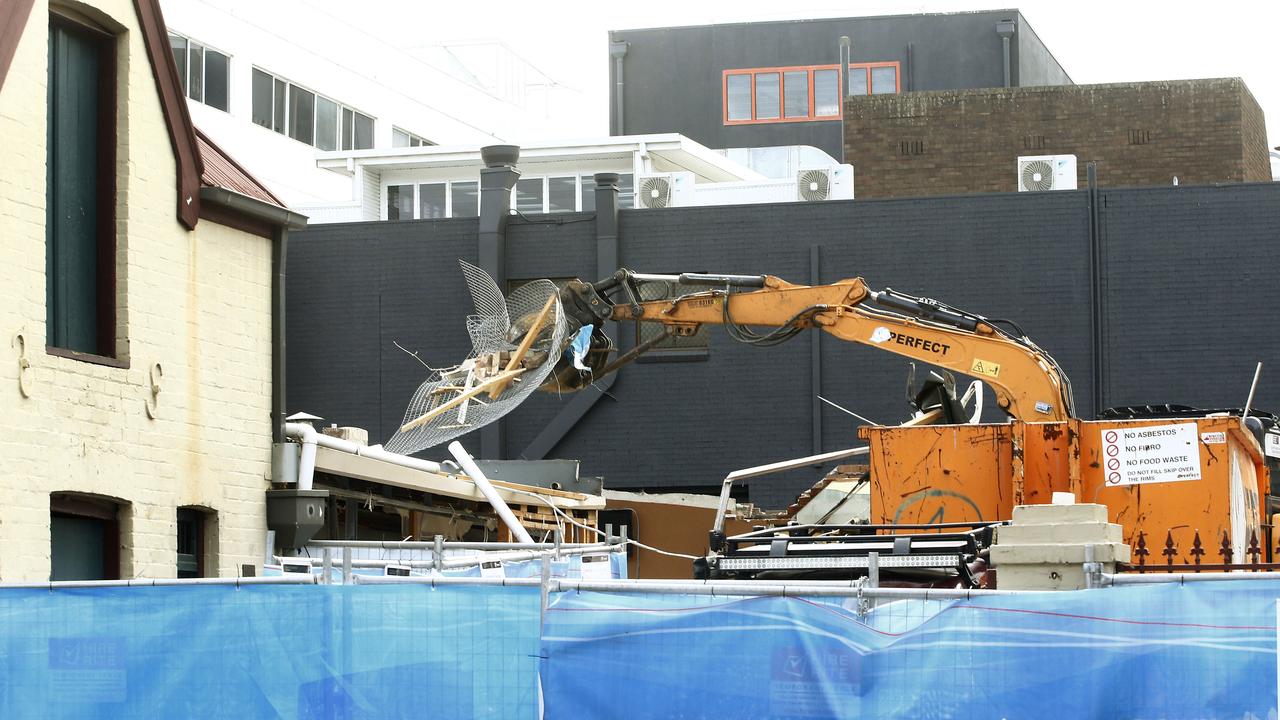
[
  {"x": 1187, "y": 274},
  {"x": 196, "y": 303},
  {"x": 1140, "y": 134}
]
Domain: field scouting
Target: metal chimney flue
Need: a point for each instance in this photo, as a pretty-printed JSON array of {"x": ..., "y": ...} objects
[{"x": 496, "y": 156}]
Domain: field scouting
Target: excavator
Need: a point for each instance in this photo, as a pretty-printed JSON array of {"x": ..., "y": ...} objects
[
  {"x": 1027, "y": 383},
  {"x": 1182, "y": 480}
]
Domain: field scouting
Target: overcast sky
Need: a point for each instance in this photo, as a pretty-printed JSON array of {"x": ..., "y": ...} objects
[{"x": 1097, "y": 42}]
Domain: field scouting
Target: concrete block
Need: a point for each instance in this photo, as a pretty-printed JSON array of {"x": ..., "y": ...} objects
[
  {"x": 1061, "y": 554},
  {"x": 1057, "y": 514},
  {"x": 360, "y": 436},
  {"x": 1081, "y": 533},
  {"x": 1040, "y": 577}
]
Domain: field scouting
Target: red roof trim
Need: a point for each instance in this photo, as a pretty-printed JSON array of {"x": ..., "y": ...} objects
[
  {"x": 182, "y": 134},
  {"x": 13, "y": 20}
]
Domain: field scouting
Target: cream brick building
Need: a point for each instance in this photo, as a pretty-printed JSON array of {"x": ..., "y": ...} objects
[{"x": 142, "y": 391}]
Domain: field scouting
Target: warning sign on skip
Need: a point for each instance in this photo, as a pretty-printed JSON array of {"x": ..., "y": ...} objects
[{"x": 1157, "y": 454}]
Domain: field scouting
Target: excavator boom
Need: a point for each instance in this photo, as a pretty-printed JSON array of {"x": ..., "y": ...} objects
[{"x": 1027, "y": 383}]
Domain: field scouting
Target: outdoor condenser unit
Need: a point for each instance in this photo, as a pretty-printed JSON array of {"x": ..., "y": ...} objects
[
  {"x": 664, "y": 190},
  {"x": 825, "y": 183},
  {"x": 1046, "y": 172}
]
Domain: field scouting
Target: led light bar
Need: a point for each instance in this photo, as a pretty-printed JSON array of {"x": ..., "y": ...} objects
[{"x": 838, "y": 562}]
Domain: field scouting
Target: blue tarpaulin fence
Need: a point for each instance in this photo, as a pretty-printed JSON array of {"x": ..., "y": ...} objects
[
  {"x": 268, "y": 651},
  {"x": 1198, "y": 650},
  {"x": 1201, "y": 650}
]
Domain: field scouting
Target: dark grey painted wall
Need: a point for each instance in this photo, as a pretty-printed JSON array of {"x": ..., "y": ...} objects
[
  {"x": 673, "y": 76},
  {"x": 1036, "y": 64},
  {"x": 1188, "y": 276}
]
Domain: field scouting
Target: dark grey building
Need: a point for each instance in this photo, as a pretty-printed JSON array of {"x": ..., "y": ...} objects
[
  {"x": 1144, "y": 296},
  {"x": 776, "y": 83}
]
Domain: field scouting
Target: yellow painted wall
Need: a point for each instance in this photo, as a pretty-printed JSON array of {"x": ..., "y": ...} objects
[{"x": 196, "y": 303}]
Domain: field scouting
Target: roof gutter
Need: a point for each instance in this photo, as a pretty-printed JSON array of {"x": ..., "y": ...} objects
[{"x": 254, "y": 208}]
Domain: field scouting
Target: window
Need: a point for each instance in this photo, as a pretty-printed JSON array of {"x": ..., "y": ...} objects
[
  {"x": 402, "y": 138},
  {"x": 562, "y": 194},
  {"x": 826, "y": 92},
  {"x": 399, "y": 202},
  {"x": 84, "y": 537},
  {"x": 768, "y": 96},
  {"x": 203, "y": 72},
  {"x": 796, "y": 91},
  {"x": 738, "y": 97},
  {"x": 884, "y": 80},
  {"x": 874, "y": 79},
  {"x": 307, "y": 117},
  {"x": 696, "y": 345},
  {"x": 432, "y": 200},
  {"x": 326, "y": 124},
  {"x": 529, "y": 195},
  {"x": 465, "y": 197},
  {"x": 195, "y": 543},
  {"x": 302, "y": 114},
  {"x": 626, "y": 192},
  {"x": 799, "y": 94},
  {"x": 80, "y": 190}
]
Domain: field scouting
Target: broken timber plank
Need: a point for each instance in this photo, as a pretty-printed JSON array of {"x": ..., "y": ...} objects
[
  {"x": 506, "y": 376},
  {"x": 525, "y": 344}
]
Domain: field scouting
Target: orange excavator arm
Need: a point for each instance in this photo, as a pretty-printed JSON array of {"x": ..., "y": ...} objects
[{"x": 1027, "y": 383}]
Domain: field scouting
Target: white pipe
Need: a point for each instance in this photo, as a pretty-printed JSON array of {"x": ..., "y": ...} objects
[
  {"x": 757, "y": 471},
  {"x": 1155, "y": 577},
  {"x": 447, "y": 545},
  {"x": 306, "y": 436},
  {"x": 287, "y": 579},
  {"x": 486, "y": 488},
  {"x": 468, "y": 560},
  {"x": 724, "y": 588},
  {"x": 310, "y": 439}
]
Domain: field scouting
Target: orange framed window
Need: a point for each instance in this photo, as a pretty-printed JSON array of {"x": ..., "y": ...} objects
[
  {"x": 882, "y": 78},
  {"x": 800, "y": 93}
]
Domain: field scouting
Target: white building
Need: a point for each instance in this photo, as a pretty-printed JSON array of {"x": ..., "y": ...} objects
[
  {"x": 667, "y": 170},
  {"x": 275, "y": 82}
]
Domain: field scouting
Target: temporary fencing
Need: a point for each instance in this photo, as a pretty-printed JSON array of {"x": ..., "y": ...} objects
[
  {"x": 269, "y": 651},
  {"x": 460, "y": 648},
  {"x": 1200, "y": 650}
]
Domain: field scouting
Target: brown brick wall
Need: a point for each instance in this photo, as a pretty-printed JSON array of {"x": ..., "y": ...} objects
[{"x": 965, "y": 141}]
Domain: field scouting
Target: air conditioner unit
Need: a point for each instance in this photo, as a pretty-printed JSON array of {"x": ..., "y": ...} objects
[
  {"x": 1046, "y": 172},
  {"x": 664, "y": 190},
  {"x": 825, "y": 183}
]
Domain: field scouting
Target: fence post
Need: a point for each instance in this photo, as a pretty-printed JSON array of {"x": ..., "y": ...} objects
[{"x": 544, "y": 586}]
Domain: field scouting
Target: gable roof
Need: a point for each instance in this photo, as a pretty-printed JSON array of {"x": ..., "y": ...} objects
[
  {"x": 220, "y": 170},
  {"x": 190, "y": 155}
]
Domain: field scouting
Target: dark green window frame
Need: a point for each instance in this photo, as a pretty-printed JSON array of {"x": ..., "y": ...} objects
[
  {"x": 192, "y": 542},
  {"x": 80, "y": 192}
]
